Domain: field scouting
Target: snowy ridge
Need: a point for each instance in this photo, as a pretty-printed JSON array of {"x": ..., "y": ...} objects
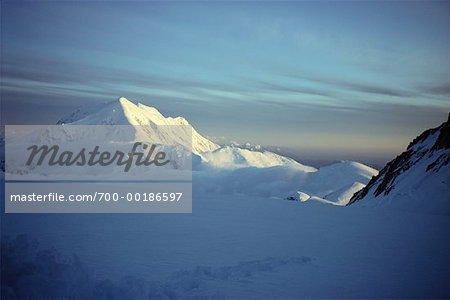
[
  {"x": 418, "y": 179},
  {"x": 230, "y": 157},
  {"x": 335, "y": 184}
]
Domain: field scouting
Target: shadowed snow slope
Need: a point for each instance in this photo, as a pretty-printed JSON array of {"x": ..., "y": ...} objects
[
  {"x": 418, "y": 179},
  {"x": 230, "y": 247}
]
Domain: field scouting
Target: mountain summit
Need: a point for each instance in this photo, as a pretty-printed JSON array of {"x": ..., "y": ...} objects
[
  {"x": 124, "y": 112},
  {"x": 419, "y": 178}
]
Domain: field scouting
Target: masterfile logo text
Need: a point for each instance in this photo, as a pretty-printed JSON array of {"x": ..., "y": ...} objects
[{"x": 98, "y": 168}]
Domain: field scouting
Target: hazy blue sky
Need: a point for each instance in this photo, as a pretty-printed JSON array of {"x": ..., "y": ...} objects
[{"x": 337, "y": 76}]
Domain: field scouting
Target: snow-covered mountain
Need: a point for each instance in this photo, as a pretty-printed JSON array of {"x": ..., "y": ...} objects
[
  {"x": 158, "y": 128},
  {"x": 417, "y": 179}
]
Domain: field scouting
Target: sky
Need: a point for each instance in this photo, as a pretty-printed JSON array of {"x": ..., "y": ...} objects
[{"x": 326, "y": 78}]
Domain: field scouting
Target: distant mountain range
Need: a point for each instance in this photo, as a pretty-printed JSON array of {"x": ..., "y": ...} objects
[
  {"x": 241, "y": 168},
  {"x": 158, "y": 129},
  {"x": 418, "y": 179}
]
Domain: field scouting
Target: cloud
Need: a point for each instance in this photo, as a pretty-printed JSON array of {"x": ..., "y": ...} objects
[
  {"x": 334, "y": 86},
  {"x": 439, "y": 89},
  {"x": 23, "y": 70},
  {"x": 372, "y": 89},
  {"x": 292, "y": 89},
  {"x": 350, "y": 85}
]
